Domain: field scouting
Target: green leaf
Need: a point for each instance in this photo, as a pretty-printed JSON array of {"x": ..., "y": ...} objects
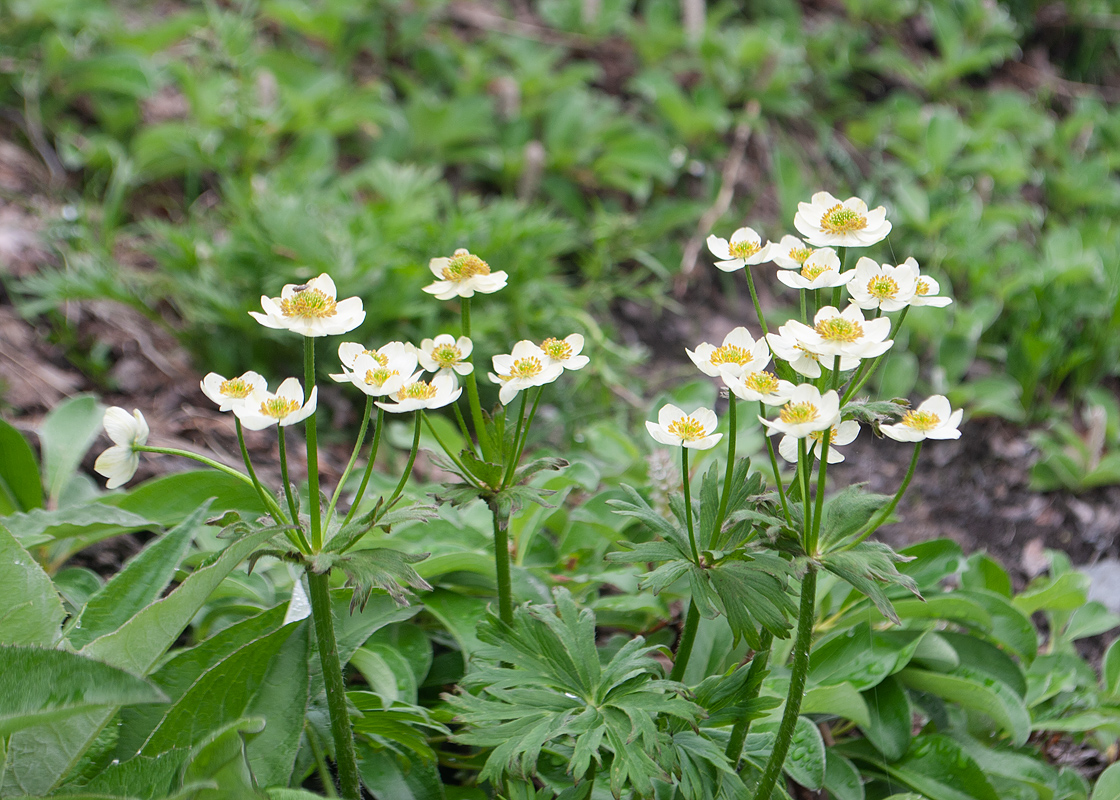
[
  {"x": 20, "y": 487},
  {"x": 1108, "y": 785},
  {"x": 891, "y": 720},
  {"x": 935, "y": 653},
  {"x": 985, "y": 657},
  {"x": 930, "y": 563},
  {"x": 935, "y": 767},
  {"x": 754, "y": 592},
  {"x": 863, "y": 657},
  {"x": 140, "y": 582},
  {"x": 841, "y": 778},
  {"x": 381, "y": 568},
  {"x": 974, "y": 690},
  {"x": 984, "y": 572},
  {"x": 94, "y": 521},
  {"x": 67, "y": 433},
  {"x": 846, "y": 513},
  {"x": 140, "y": 776},
  {"x": 46, "y": 685},
  {"x": 839, "y": 699},
  {"x": 1091, "y": 619},
  {"x": 280, "y": 699},
  {"x": 949, "y": 606},
  {"x": 1010, "y": 627},
  {"x": 459, "y": 615},
  {"x": 30, "y": 609},
  {"x": 383, "y": 775},
  {"x": 1064, "y": 593},
  {"x": 1110, "y": 669},
  {"x": 171, "y": 499},
  {"x": 868, "y": 567},
  {"x": 805, "y": 761},
  {"x": 220, "y": 761}
]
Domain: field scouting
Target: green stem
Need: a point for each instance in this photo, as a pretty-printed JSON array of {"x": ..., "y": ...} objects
[
  {"x": 799, "y": 670},
  {"x": 320, "y": 596},
  {"x": 688, "y": 505},
  {"x": 733, "y": 429},
  {"x": 369, "y": 466},
  {"x": 450, "y": 454},
  {"x": 411, "y": 460},
  {"x": 501, "y": 564},
  {"x": 819, "y": 512},
  {"x": 292, "y": 507},
  {"x": 885, "y": 514},
  {"x": 353, "y": 459},
  {"x": 463, "y": 429},
  {"x": 754, "y": 298},
  {"x": 293, "y": 536},
  {"x": 684, "y": 645},
  {"x": 774, "y": 466},
  {"x": 861, "y": 378},
  {"x": 751, "y": 688},
  {"x": 472, "y": 388},
  {"x": 312, "y": 448},
  {"x": 804, "y": 312},
  {"x": 511, "y": 462},
  {"x": 803, "y": 476},
  {"x": 525, "y": 432},
  {"x": 172, "y": 451},
  {"x": 320, "y": 761}
]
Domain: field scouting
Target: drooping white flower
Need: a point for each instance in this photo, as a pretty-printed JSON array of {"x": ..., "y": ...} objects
[
  {"x": 127, "y": 431},
  {"x": 565, "y": 352},
  {"x": 760, "y": 385},
  {"x": 228, "y": 393},
  {"x": 738, "y": 353},
  {"x": 462, "y": 275},
  {"x": 745, "y": 248},
  {"x": 806, "y": 411},
  {"x": 842, "y": 434},
  {"x": 790, "y": 253},
  {"x": 264, "y": 409},
  {"x": 933, "y": 419},
  {"x": 881, "y": 286},
  {"x": 376, "y": 372},
  {"x": 524, "y": 367},
  {"x": 694, "y": 431},
  {"x": 785, "y": 345},
  {"x": 821, "y": 270},
  {"x": 416, "y": 394},
  {"x": 310, "y": 309},
  {"x": 846, "y": 333},
  {"x": 925, "y": 287},
  {"x": 445, "y": 353},
  {"x": 826, "y": 221}
]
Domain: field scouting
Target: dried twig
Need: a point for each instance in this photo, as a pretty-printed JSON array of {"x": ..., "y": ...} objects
[{"x": 477, "y": 16}]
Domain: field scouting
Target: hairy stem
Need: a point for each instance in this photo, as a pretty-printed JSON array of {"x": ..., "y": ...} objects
[
  {"x": 312, "y": 448},
  {"x": 733, "y": 429},
  {"x": 754, "y": 298},
  {"x": 750, "y": 691},
  {"x": 292, "y": 507},
  {"x": 411, "y": 460},
  {"x": 353, "y": 459},
  {"x": 369, "y": 466},
  {"x": 472, "y": 388},
  {"x": 688, "y": 505},
  {"x": 684, "y": 644},
  {"x": 777, "y": 472},
  {"x": 501, "y": 564}
]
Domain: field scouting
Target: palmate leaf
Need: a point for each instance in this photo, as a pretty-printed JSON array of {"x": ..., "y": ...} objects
[
  {"x": 382, "y": 516},
  {"x": 637, "y": 507},
  {"x": 377, "y": 568},
  {"x": 869, "y": 567}
]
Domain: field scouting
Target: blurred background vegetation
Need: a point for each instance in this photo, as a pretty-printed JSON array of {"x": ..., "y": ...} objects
[{"x": 209, "y": 152}]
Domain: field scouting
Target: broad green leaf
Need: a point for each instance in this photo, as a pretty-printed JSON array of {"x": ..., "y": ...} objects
[
  {"x": 171, "y": 499},
  {"x": 841, "y": 778},
  {"x": 932, "y": 562},
  {"x": 67, "y": 433},
  {"x": 1092, "y": 619},
  {"x": 77, "y": 585},
  {"x": 20, "y": 487},
  {"x": 980, "y": 655},
  {"x": 281, "y": 700},
  {"x": 459, "y": 615},
  {"x": 46, "y": 685},
  {"x": 870, "y": 567},
  {"x": 935, "y": 766},
  {"x": 935, "y": 653},
  {"x": 984, "y": 572},
  {"x": 221, "y": 761},
  {"x": 387, "y": 672},
  {"x": 140, "y": 582},
  {"x": 805, "y": 761},
  {"x": 30, "y": 610},
  {"x": 463, "y": 561},
  {"x": 976, "y": 691},
  {"x": 1065, "y": 593},
  {"x": 1110, "y": 669},
  {"x": 1010, "y": 627},
  {"x": 383, "y": 775},
  {"x": 862, "y": 657},
  {"x": 953, "y": 606},
  {"x": 39, "y": 757},
  {"x": 93, "y": 521},
  {"x": 1108, "y": 785},
  {"x": 144, "y": 776},
  {"x": 840, "y": 699},
  {"x": 891, "y": 718},
  {"x": 847, "y": 512}
]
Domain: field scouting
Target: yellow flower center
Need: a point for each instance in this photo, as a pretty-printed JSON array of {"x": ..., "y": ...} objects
[
  {"x": 839, "y": 219},
  {"x": 279, "y": 407},
  {"x": 923, "y": 287},
  {"x": 416, "y": 391},
  {"x": 730, "y": 354},
  {"x": 796, "y": 413},
  {"x": 447, "y": 355},
  {"x": 378, "y": 377},
  {"x": 839, "y": 329},
  {"x": 308, "y": 304},
  {"x": 819, "y": 435},
  {"x": 380, "y": 358},
  {"x": 811, "y": 272},
  {"x": 882, "y": 288},
  {"x": 687, "y": 429},
  {"x": 235, "y": 388},
  {"x": 762, "y": 382},
  {"x": 462, "y": 265},
  {"x": 556, "y": 349},
  {"x": 799, "y": 254},
  {"x": 921, "y": 420},
  {"x": 526, "y": 368},
  {"x": 744, "y": 249}
]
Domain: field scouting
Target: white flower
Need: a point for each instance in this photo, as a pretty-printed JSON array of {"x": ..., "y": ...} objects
[
  {"x": 565, "y": 352},
  {"x": 263, "y": 409},
  {"x": 229, "y": 393},
  {"x": 842, "y": 434},
  {"x": 807, "y": 411},
  {"x": 675, "y": 427},
  {"x": 738, "y": 354},
  {"x": 790, "y": 253},
  {"x": 821, "y": 270},
  {"x": 886, "y": 287},
  {"x": 828, "y": 222},
  {"x": 760, "y": 385},
  {"x": 933, "y": 419},
  {"x": 525, "y": 366},
  {"x": 462, "y": 275},
  {"x": 128, "y": 431},
  {"x": 785, "y": 345},
  {"x": 926, "y": 288},
  {"x": 445, "y": 353},
  {"x": 376, "y": 372},
  {"x": 745, "y": 248},
  {"x": 310, "y": 309},
  {"x": 843, "y": 334},
  {"x": 416, "y": 394}
]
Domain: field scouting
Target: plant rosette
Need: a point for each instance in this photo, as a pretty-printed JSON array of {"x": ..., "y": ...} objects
[
  {"x": 826, "y": 221},
  {"x": 310, "y": 309},
  {"x": 821, "y": 270},
  {"x": 228, "y": 393},
  {"x": 745, "y": 249},
  {"x": 806, "y": 411},
  {"x": 376, "y": 372},
  {"x": 840, "y": 435},
  {"x": 846, "y": 333},
  {"x": 127, "y": 431},
  {"x": 933, "y": 419},
  {"x": 461, "y": 275},
  {"x": 263, "y": 409},
  {"x": 416, "y": 394},
  {"x": 785, "y": 345},
  {"x": 790, "y": 252},
  {"x": 926, "y": 288},
  {"x": 446, "y": 355},
  {"x": 565, "y": 352},
  {"x": 524, "y": 367},
  {"x": 679, "y": 429},
  {"x": 738, "y": 354}
]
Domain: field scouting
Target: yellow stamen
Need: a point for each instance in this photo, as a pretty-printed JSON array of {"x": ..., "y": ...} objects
[
  {"x": 807, "y": 353},
  {"x": 379, "y": 376},
  {"x": 556, "y": 349},
  {"x": 526, "y": 368},
  {"x": 416, "y": 391},
  {"x": 923, "y": 287},
  {"x": 308, "y": 304},
  {"x": 687, "y": 429},
  {"x": 235, "y": 388},
  {"x": 380, "y": 358},
  {"x": 796, "y": 413},
  {"x": 839, "y": 329},
  {"x": 839, "y": 219},
  {"x": 819, "y": 435},
  {"x": 811, "y": 272},
  {"x": 279, "y": 407},
  {"x": 744, "y": 249},
  {"x": 799, "y": 254},
  {"x": 447, "y": 355},
  {"x": 882, "y": 288},
  {"x": 921, "y": 420},
  {"x": 463, "y": 265},
  {"x": 730, "y": 354},
  {"x": 762, "y": 382}
]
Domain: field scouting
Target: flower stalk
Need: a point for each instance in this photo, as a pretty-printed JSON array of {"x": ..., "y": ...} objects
[{"x": 312, "y": 448}]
